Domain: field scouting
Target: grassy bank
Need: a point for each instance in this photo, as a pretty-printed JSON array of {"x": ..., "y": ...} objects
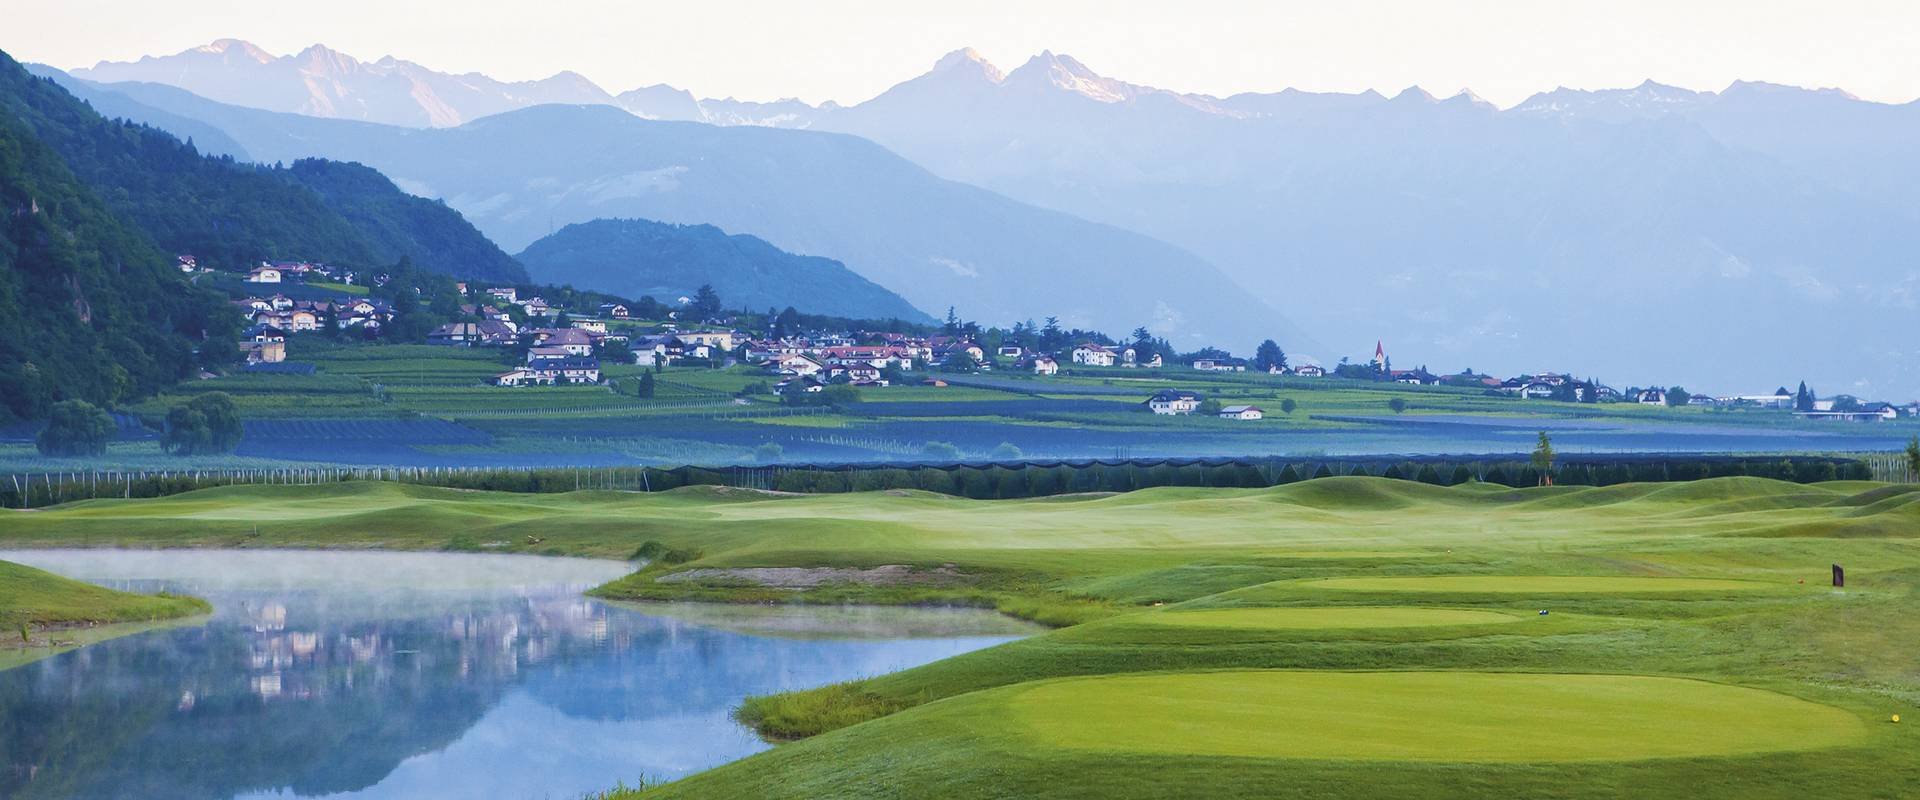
[
  {"x": 1341, "y": 637},
  {"x": 43, "y": 611}
]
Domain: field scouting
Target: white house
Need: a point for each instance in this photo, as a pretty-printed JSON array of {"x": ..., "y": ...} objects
[
  {"x": 718, "y": 340},
  {"x": 1309, "y": 371},
  {"x": 1093, "y": 355},
  {"x": 1537, "y": 390},
  {"x": 1242, "y": 412},
  {"x": 795, "y": 365},
  {"x": 264, "y": 274},
  {"x": 1173, "y": 401},
  {"x": 521, "y": 376},
  {"x": 1045, "y": 366}
]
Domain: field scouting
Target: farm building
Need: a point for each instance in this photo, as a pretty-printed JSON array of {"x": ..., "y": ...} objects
[
  {"x": 1173, "y": 401},
  {"x": 1242, "y": 412}
]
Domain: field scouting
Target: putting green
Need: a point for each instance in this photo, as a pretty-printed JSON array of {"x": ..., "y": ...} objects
[
  {"x": 1423, "y": 716},
  {"x": 1535, "y": 584},
  {"x": 1322, "y": 618}
]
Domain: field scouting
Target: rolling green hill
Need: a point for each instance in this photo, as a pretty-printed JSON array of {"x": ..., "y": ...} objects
[
  {"x": 1361, "y": 636},
  {"x": 638, "y": 257}
]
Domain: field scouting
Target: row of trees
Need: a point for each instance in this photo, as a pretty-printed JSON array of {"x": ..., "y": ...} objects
[{"x": 205, "y": 425}]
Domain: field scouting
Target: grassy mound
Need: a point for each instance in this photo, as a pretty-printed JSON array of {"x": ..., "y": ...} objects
[
  {"x": 1421, "y": 716},
  {"x": 38, "y": 598},
  {"x": 1355, "y": 618}
]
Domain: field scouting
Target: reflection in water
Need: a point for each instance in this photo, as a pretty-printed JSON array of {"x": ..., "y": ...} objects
[{"x": 410, "y": 675}]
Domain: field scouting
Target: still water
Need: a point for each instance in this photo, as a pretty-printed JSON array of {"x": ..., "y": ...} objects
[{"x": 376, "y": 675}]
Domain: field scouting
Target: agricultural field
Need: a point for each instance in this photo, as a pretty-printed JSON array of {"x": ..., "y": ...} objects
[
  {"x": 1338, "y": 637},
  {"x": 369, "y": 404}
]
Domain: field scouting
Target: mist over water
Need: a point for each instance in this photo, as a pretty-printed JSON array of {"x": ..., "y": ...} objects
[{"x": 373, "y": 675}]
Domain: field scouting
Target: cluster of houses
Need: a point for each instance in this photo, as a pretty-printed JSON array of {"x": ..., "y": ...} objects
[
  {"x": 566, "y": 355},
  {"x": 278, "y": 272},
  {"x": 556, "y": 356},
  {"x": 272, "y": 317}
]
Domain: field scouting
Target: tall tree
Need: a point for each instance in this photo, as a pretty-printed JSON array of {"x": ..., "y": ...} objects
[
  {"x": 75, "y": 428},
  {"x": 1269, "y": 357},
  {"x": 705, "y": 304},
  {"x": 1143, "y": 345},
  {"x": 1543, "y": 459}
]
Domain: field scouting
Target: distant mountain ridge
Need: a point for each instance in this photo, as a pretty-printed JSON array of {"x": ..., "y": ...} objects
[
  {"x": 1583, "y": 230},
  {"x": 518, "y": 176},
  {"x": 638, "y": 257},
  {"x": 230, "y": 214}
]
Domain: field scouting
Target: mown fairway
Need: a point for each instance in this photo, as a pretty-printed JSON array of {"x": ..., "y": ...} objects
[
  {"x": 1424, "y": 716},
  {"x": 1342, "y": 637}
]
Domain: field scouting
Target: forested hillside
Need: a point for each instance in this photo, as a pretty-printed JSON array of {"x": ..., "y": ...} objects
[
  {"x": 230, "y": 214},
  {"x": 637, "y": 257},
  {"x": 89, "y": 308}
]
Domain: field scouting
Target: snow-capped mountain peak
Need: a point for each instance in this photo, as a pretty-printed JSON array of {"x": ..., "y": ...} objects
[
  {"x": 231, "y": 46},
  {"x": 1064, "y": 72},
  {"x": 969, "y": 60}
]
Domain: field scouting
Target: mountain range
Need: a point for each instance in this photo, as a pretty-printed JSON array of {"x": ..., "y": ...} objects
[
  {"x": 1732, "y": 239},
  {"x": 522, "y": 175}
]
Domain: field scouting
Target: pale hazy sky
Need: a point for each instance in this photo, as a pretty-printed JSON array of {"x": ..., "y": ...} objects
[{"x": 849, "y": 50}]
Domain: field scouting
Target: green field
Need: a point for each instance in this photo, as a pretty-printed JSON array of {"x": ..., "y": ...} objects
[
  {"x": 707, "y": 416},
  {"x": 1341, "y": 637}
]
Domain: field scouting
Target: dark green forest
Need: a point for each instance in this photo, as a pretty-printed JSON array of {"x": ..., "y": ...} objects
[{"x": 89, "y": 308}]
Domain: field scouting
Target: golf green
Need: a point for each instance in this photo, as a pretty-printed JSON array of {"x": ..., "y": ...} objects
[
  {"x": 1534, "y": 584},
  {"x": 1422, "y": 716},
  {"x": 1323, "y": 618}
]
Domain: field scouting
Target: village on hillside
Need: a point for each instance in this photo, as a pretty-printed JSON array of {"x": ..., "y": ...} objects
[{"x": 561, "y": 343}]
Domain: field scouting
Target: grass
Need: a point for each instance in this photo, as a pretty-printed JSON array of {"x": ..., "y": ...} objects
[
  {"x": 34, "y": 601},
  {"x": 1323, "y": 618},
  {"x": 1690, "y": 620},
  {"x": 1537, "y": 585},
  {"x": 1417, "y": 716}
]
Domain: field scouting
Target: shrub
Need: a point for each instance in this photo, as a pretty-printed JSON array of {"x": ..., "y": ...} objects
[
  {"x": 75, "y": 428},
  {"x": 768, "y": 452},
  {"x": 658, "y": 552},
  {"x": 940, "y": 451},
  {"x": 795, "y": 715},
  {"x": 1398, "y": 404},
  {"x": 206, "y": 424}
]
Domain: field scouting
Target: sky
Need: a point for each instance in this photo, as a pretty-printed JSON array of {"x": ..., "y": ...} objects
[{"x": 851, "y": 50}]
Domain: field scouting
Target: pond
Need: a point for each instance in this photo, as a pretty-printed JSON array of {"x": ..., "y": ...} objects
[{"x": 373, "y": 675}]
